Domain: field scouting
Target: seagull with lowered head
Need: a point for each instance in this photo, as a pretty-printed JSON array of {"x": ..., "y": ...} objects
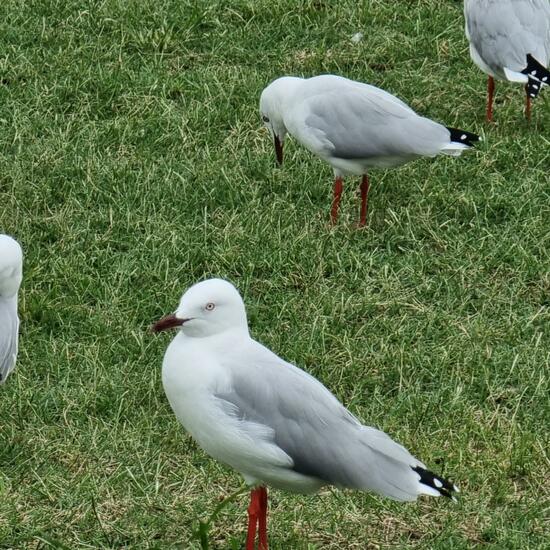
[{"x": 354, "y": 127}]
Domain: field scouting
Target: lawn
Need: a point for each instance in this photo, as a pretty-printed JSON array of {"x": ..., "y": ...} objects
[{"x": 134, "y": 164}]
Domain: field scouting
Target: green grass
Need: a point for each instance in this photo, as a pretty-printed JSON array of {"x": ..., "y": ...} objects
[{"x": 133, "y": 164}]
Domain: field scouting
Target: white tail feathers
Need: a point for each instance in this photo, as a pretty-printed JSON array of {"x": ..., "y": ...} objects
[
  {"x": 514, "y": 76},
  {"x": 454, "y": 149}
]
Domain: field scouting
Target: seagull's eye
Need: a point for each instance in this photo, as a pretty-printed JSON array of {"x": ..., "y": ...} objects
[
  {"x": 265, "y": 119},
  {"x": 209, "y": 306}
]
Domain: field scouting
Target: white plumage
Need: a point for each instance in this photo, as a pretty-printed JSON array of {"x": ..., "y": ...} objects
[
  {"x": 353, "y": 126},
  {"x": 270, "y": 420},
  {"x": 510, "y": 40},
  {"x": 11, "y": 272}
]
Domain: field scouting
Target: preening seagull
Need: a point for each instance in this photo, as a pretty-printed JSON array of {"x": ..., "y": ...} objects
[
  {"x": 353, "y": 126},
  {"x": 11, "y": 273},
  {"x": 510, "y": 40},
  {"x": 270, "y": 420}
]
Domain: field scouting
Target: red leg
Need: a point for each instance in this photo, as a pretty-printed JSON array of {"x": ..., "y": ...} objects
[
  {"x": 338, "y": 188},
  {"x": 263, "y": 519},
  {"x": 527, "y": 104},
  {"x": 364, "y": 200},
  {"x": 490, "y": 96},
  {"x": 254, "y": 509}
]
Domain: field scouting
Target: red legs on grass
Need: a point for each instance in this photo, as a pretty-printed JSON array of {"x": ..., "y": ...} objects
[
  {"x": 490, "y": 96},
  {"x": 364, "y": 200},
  {"x": 262, "y": 523},
  {"x": 338, "y": 188},
  {"x": 257, "y": 517},
  {"x": 253, "y": 515}
]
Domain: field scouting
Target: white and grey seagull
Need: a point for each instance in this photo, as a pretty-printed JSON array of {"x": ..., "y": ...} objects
[
  {"x": 269, "y": 420},
  {"x": 354, "y": 127},
  {"x": 510, "y": 40},
  {"x": 11, "y": 273}
]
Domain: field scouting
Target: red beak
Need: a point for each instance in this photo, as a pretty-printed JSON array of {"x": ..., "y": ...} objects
[
  {"x": 278, "y": 150},
  {"x": 168, "y": 322}
]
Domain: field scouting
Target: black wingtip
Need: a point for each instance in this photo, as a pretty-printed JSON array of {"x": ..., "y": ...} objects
[
  {"x": 532, "y": 88},
  {"x": 536, "y": 70},
  {"x": 461, "y": 136},
  {"x": 441, "y": 485},
  {"x": 538, "y": 76}
]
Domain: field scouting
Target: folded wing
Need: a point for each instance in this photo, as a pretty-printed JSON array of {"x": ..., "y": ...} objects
[
  {"x": 366, "y": 123},
  {"x": 503, "y": 32},
  {"x": 323, "y": 439}
]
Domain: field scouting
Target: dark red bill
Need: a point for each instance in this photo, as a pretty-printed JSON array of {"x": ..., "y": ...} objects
[
  {"x": 168, "y": 322},
  {"x": 278, "y": 149}
]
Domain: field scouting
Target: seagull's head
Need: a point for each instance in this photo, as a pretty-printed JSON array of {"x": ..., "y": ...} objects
[
  {"x": 11, "y": 266},
  {"x": 272, "y": 109},
  {"x": 207, "y": 308}
]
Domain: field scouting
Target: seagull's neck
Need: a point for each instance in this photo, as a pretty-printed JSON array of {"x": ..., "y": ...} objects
[{"x": 218, "y": 340}]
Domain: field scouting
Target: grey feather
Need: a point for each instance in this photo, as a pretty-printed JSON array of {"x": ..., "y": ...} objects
[
  {"x": 9, "y": 327},
  {"x": 503, "y": 32},
  {"x": 351, "y": 120},
  {"x": 323, "y": 438},
  {"x": 377, "y": 131}
]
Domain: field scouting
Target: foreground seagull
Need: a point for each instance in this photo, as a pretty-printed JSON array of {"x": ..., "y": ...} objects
[
  {"x": 270, "y": 420},
  {"x": 510, "y": 40},
  {"x": 353, "y": 126},
  {"x": 11, "y": 272}
]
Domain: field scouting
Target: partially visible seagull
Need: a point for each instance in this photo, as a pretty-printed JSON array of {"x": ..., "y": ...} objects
[
  {"x": 11, "y": 273},
  {"x": 270, "y": 420},
  {"x": 510, "y": 40},
  {"x": 353, "y": 126}
]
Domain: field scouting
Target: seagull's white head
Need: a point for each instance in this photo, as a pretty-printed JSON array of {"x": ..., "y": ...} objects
[
  {"x": 11, "y": 266},
  {"x": 207, "y": 308},
  {"x": 272, "y": 108}
]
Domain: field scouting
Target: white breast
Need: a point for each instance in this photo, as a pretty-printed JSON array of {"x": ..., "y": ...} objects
[{"x": 190, "y": 377}]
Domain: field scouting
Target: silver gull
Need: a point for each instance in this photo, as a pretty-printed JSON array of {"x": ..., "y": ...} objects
[
  {"x": 11, "y": 272},
  {"x": 269, "y": 420},
  {"x": 354, "y": 127},
  {"x": 510, "y": 40}
]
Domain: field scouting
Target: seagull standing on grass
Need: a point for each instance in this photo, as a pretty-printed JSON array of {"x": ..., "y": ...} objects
[
  {"x": 510, "y": 40},
  {"x": 354, "y": 127},
  {"x": 11, "y": 273},
  {"x": 270, "y": 420}
]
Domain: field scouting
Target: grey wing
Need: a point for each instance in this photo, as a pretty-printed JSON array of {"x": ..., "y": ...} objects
[
  {"x": 9, "y": 326},
  {"x": 323, "y": 438},
  {"x": 362, "y": 124},
  {"x": 503, "y": 32}
]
